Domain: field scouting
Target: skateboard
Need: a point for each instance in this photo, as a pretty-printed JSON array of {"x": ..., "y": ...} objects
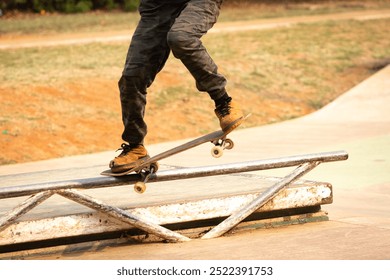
[{"x": 150, "y": 166}]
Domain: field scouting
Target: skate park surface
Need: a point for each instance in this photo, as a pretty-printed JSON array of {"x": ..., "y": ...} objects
[{"x": 359, "y": 217}]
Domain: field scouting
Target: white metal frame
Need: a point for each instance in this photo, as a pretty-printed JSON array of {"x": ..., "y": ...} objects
[{"x": 40, "y": 192}]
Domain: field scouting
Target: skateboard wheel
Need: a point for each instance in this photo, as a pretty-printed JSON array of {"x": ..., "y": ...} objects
[
  {"x": 139, "y": 187},
  {"x": 229, "y": 144},
  {"x": 216, "y": 151},
  {"x": 154, "y": 166}
]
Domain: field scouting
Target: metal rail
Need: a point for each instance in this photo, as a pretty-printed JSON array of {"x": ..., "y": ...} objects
[
  {"x": 174, "y": 174},
  {"x": 41, "y": 192}
]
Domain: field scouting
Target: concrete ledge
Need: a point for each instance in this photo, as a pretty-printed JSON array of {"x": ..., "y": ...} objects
[
  {"x": 88, "y": 222},
  {"x": 15, "y": 252}
]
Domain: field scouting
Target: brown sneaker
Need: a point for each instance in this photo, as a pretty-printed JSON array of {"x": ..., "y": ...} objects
[
  {"x": 130, "y": 157},
  {"x": 229, "y": 114}
]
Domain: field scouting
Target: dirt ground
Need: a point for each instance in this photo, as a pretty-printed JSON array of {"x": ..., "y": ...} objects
[{"x": 50, "y": 124}]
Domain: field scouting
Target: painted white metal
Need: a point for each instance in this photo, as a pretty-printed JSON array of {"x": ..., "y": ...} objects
[
  {"x": 302, "y": 194},
  {"x": 23, "y": 208},
  {"x": 139, "y": 222},
  {"x": 174, "y": 174},
  {"x": 259, "y": 201}
]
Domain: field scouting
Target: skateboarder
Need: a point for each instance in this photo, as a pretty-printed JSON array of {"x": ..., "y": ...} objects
[{"x": 165, "y": 26}]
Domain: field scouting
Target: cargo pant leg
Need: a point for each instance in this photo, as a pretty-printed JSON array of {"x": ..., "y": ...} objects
[
  {"x": 146, "y": 56},
  {"x": 184, "y": 40}
]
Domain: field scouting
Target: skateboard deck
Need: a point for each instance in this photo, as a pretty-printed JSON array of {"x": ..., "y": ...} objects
[{"x": 150, "y": 166}]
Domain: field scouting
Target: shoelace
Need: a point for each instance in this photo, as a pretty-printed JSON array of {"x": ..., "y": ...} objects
[
  {"x": 125, "y": 148},
  {"x": 224, "y": 109}
]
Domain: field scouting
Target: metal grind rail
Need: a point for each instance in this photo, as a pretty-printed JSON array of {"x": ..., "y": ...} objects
[{"x": 40, "y": 192}]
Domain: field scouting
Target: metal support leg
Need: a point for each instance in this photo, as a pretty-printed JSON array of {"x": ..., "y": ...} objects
[
  {"x": 123, "y": 216},
  {"x": 262, "y": 199},
  {"x": 23, "y": 208}
]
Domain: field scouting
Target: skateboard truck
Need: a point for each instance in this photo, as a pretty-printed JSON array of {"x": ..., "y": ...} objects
[
  {"x": 140, "y": 186},
  {"x": 220, "y": 145},
  {"x": 146, "y": 172}
]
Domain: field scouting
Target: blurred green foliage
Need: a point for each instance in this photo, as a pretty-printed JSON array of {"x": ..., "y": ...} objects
[{"x": 67, "y": 6}]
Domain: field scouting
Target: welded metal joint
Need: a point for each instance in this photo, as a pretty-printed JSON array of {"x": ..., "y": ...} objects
[{"x": 23, "y": 208}]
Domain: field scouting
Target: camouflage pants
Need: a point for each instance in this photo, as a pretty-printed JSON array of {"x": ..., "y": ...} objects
[{"x": 166, "y": 26}]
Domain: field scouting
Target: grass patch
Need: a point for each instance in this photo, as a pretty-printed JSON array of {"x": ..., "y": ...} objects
[
  {"x": 307, "y": 57},
  {"x": 167, "y": 94},
  {"x": 116, "y": 20},
  {"x": 50, "y": 65},
  {"x": 68, "y": 23}
]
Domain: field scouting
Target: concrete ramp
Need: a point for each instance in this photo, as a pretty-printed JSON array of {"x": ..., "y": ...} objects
[{"x": 359, "y": 105}]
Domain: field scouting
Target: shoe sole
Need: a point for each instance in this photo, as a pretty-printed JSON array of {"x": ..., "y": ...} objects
[{"x": 233, "y": 125}]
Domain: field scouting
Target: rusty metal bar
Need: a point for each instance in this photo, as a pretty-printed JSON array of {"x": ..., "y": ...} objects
[
  {"x": 175, "y": 174},
  {"x": 262, "y": 199},
  {"x": 23, "y": 208},
  {"x": 123, "y": 216}
]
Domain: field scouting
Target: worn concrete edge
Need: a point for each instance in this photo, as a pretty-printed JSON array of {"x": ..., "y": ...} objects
[{"x": 137, "y": 238}]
